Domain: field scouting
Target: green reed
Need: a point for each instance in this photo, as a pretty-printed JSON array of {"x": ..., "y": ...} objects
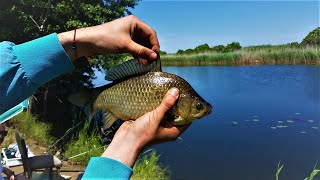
[{"x": 247, "y": 56}]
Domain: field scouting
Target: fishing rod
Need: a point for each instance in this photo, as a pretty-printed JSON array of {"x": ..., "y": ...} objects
[{"x": 83, "y": 153}]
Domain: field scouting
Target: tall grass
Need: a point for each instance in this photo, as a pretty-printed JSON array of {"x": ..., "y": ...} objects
[
  {"x": 31, "y": 128},
  {"x": 246, "y": 56},
  {"x": 148, "y": 167},
  {"x": 85, "y": 145}
]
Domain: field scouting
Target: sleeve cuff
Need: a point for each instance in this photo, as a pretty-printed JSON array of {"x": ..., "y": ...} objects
[
  {"x": 43, "y": 59},
  {"x": 106, "y": 168}
]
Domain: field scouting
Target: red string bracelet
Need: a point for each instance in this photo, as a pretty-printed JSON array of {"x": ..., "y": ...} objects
[{"x": 74, "y": 45}]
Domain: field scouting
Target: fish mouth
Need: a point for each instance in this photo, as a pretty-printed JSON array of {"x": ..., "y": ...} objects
[{"x": 209, "y": 109}]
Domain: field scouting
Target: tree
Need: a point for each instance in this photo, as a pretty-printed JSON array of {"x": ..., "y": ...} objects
[
  {"x": 313, "y": 38},
  {"x": 24, "y": 20},
  {"x": 201, "y": 48},
  {"x": 180, "y": 51},
  {"x": 219, "y": 48},
  {"x": 232, "y": 47},
  {"x": 189, "y": 51},
  {"x": 163, "y": 52}
]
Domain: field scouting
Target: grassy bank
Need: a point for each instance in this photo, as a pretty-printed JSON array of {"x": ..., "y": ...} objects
[
  {"x": 38, "y": 133},
  {"x": 247, "y": 56},
  {"x": 146, "y": 167},
  {"x": 30, "y": 128}
]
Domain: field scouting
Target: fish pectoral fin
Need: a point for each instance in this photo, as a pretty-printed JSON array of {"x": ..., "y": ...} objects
[
  {"x": 109, "y": 119},
  {"x": 131, "y": 68}
]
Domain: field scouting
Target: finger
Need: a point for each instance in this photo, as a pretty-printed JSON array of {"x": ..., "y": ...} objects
[
  {"x": 172, "y": 133},
  {"x": 167, "y": 103},
  {"x": 142, "y": 52},
  {"x": 150, "y": 33}
]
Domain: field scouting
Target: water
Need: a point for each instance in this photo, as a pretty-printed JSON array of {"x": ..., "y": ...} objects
[{"x": 262, "y": 115}]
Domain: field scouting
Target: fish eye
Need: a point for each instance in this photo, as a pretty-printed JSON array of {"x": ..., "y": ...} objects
[{"x": 199, "y": 106}]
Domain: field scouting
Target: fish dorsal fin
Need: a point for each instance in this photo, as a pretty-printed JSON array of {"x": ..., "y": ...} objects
[
  {"x": 109, "y": 119},
  {"x": 132, "y": 68}
]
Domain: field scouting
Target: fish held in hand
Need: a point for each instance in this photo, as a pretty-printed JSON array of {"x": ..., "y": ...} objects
[{"x": 135, "y": 91}]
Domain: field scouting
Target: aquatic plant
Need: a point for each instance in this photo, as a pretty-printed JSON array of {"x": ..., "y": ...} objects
[
  {"x": 311, "y": 177},
  {"x": 313, "y": 173},
  {"x": 279, "y": 170}
]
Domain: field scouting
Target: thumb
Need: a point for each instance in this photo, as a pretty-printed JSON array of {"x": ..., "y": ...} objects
[
  {"x": 141, "y": 51},
  {"x": 166, "y": 104}
]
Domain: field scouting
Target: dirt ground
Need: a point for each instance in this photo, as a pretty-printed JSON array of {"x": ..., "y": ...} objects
[{"x": 67, "y": 171}]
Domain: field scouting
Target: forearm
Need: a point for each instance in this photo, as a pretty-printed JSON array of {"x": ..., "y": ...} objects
[{"x": 25, "y": 67}]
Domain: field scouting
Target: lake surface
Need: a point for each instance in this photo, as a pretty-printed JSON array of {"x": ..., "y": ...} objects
[{"x": 262, "y": 115}]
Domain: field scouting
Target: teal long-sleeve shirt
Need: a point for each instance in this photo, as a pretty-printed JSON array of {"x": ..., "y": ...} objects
[{"x": 24, "y": 68}]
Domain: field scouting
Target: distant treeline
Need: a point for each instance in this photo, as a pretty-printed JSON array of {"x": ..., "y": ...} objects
[
  {"x": 306, "y": 52},
  {"x": 312, "y": 39}
]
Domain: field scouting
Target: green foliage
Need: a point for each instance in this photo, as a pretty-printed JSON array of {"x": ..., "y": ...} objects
[
  {"x": 247, "y": 56},
  {"x": 148, "y": 167},
  {"x": 84, "y": 142},
  {"x": 313, "y": 38},
  {"x": 205, "y": 48},
  {"x": 180, "y": 51},
  {"x": 202, "y": 48},
  {"x": 24, "y": 20},
  {"x": 163, "y": 52},
  {"x": 232, "y": 47},
  {"x": 219, "y": 48},
  {"x": 32, "y": 128}
]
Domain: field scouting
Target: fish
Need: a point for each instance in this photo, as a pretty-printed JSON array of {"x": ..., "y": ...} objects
[{"x": 137, "y": 89}]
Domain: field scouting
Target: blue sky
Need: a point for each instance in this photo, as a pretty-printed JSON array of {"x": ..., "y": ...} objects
[{"x": 187, "y": 24}]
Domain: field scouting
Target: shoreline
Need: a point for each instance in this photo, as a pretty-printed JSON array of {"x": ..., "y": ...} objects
[{"x": 185, "y": 64}]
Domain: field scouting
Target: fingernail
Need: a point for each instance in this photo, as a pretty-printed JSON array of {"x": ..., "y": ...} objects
[{"x": 174, "y": 92}]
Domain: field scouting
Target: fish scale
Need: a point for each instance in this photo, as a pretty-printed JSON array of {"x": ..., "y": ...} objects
[{"x": 136, "y": 96}]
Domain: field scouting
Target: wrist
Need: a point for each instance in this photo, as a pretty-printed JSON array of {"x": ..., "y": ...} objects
[
  {"x": 124, "y": 149},
  {"x": 81, "y": 44}
]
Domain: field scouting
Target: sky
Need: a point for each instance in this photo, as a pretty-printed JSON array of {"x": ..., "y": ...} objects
[{"x": 182, "y": 24}]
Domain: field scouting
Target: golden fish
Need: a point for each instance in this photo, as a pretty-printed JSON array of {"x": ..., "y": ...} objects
[{"x": 132, "y": 95}]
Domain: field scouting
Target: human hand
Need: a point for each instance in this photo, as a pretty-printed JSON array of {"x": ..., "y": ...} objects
[
  {"x": 125, "y": 35},
  {"x": 133, "y": 136}
]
